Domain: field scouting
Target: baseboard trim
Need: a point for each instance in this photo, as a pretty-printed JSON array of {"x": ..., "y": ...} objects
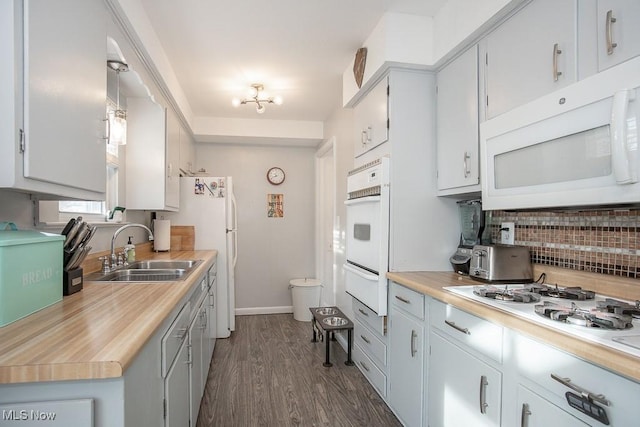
[{"x": 263, "y": 310}]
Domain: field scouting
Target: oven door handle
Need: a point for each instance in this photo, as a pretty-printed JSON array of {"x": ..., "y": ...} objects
[
  {"x": 359, "y": 200},
  {"x": 362, "y": 273}
]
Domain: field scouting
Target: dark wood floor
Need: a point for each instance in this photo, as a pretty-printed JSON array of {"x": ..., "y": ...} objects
[{"x": 269, "y": 373}]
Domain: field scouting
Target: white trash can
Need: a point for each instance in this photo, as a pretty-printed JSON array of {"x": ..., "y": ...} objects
[{"x": 305, "y": 293}]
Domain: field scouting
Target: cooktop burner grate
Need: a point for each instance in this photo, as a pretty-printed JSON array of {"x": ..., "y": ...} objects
[
  {"x": 574, "y": 315},
  {"x": 507, "y": 293},
  {"x": 611, "y": 305},
  {"x": 531, "y": 292}
]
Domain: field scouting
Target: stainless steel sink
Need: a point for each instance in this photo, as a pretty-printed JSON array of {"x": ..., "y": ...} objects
[
  {"x": 163, "y": 264},
  {"x": 148, "y": 275},
  {"x": 149, "y": 271}
]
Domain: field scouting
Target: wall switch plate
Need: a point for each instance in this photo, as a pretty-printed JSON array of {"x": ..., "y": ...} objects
[{"x": 508, "y": 233}]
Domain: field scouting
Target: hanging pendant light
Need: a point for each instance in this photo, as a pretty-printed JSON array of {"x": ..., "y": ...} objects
[
  {"x": 118, "y": 120},
  {"x": 255, "y": 95}
]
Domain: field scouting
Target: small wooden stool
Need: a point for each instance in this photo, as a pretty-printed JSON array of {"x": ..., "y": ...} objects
[{"x": 331, "y": 319}]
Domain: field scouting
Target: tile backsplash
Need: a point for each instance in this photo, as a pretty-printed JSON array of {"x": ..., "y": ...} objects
[{"x": 598, "y": 241}]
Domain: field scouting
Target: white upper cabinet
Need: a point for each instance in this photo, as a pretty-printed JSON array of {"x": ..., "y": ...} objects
[
  {"x": 618, "y": 31},
  {"x": 371, "y": 119},
  {"x": 457, "y": 125},
  {"x": 187, "y": 151},
  {"x": 55, "y": 60},
  {"x": 152, "y": 153},
  {"x": 172, "y": 177},
  {"x": 531, "y": 54}
]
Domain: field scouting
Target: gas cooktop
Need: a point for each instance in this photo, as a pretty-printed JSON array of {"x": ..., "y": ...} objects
[{"x": 572, "y": 310}]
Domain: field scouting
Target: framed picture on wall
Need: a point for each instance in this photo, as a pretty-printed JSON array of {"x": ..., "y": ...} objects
[{"x": 275, "y": 205}]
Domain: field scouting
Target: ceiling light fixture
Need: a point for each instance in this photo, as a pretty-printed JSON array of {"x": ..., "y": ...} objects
[
  {"x": 118, "y": 120},
  {"x": 255, "y": 96}
]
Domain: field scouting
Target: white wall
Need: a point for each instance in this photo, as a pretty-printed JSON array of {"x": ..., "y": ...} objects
[
  {"x": 340, "y": 126},
  {"x": 458, "y": 19},
  {"x": 271, "y": 251}
]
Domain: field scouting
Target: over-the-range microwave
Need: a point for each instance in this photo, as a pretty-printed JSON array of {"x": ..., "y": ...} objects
[{"x": 577, "y": 146}]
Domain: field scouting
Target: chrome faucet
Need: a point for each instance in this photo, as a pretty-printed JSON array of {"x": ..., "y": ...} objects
[{"x": 114, "y": 259}]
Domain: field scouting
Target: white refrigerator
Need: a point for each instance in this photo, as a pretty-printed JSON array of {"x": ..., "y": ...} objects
[{"x": 207, "y": 202}]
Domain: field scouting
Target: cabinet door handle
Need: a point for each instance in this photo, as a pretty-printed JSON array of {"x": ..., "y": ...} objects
[
  {"x": 363, "y": 138},
  {"x": 600, "y": 398},
  {"x": 524, "y": 415},
  {"x": 22, "y": 147},
  {"x": 364, "y": 313},
  {"x": 413, "y": 342},
  {"x": 610, "y": 44},
  {"x": 457, "y": 328},
  {"x": 365, "y": 367},
  {"x": 189, "y": 358},
  {"x": 203, "y": 320},
  {"x": 483, "y": 394},
  {"x": 182, "y": 332},
  {"x": 556, "y": 52},
  {"x": 465, "y": 164},
  {"x": 404, "y": 300},
  {"x": 107, "y": 137},
  {"x": 365, "y": 339}
]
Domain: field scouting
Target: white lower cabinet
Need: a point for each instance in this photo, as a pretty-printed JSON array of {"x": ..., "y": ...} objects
[
  {"x": 370, "y": 346},
  {"x": 176, "y": 391},
  {"x": 212, "y": 313},
  {"x": 154, "y": 390},
  {"x": 536, "y": 411},
  {"x": 186, "y": 376},
  {"x": 563, "y": 377},
  {"x": 370, "y": 370},
  {"x": 449, "y": 368},
  {"x": 195, "y": 362},
  {"x": 463, "y": 390},
  {"x": 406, "y": 354}
]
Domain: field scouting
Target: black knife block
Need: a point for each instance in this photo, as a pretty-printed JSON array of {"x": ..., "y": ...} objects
[{"x": 71, "y": 281}]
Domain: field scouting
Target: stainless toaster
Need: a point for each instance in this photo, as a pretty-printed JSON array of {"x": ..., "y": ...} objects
[{"x": 501, "y": 263}]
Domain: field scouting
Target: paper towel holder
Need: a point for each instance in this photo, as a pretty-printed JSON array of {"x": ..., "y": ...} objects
[{"x": 162, "y": 233}]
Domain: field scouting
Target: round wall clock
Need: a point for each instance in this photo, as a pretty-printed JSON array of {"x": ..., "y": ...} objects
[
  {"x": 358, "y": 65},
  {"x": 275, "y": 176}
]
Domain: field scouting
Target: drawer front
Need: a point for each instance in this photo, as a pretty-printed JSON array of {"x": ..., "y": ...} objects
[
  {"x": 212, "y": 273},
  {"x": 620, "y": 392},
  {"x": 174, "y": 337},
  {"x": 370, "y": 343},
  {"x": 535, "y": 411},
  {"x": 408, "y": 300},
  {"x": 479, "y": 334},
  {"x": 369, "y": 369},
  {"x": 364, "y": 314}
]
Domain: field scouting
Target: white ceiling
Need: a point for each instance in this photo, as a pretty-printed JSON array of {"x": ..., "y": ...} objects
[{"x": 297, "y": 48}]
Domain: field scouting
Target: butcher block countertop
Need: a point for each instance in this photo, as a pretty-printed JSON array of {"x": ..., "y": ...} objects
[
  {"x": 95, "y": 333},
  {"x": 432, "y": 284}
]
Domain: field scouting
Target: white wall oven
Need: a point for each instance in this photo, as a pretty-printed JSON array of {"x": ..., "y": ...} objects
[
  {"x": 367, "y": 237},
  {"x": 575, "y": 147}
]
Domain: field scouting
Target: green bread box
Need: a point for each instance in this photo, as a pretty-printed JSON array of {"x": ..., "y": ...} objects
[{"x": 30, "y": 272}]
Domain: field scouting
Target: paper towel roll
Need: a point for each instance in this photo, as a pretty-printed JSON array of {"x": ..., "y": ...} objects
[{"x": 161, "y": 235}]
